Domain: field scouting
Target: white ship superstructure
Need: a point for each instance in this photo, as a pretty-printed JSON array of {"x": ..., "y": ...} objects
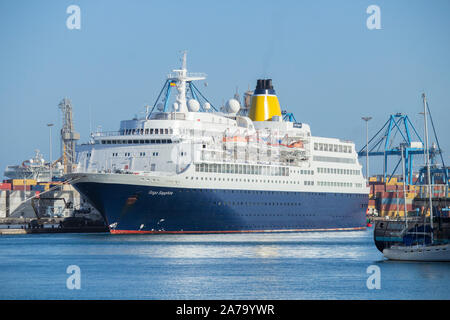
[
  {"x": 35, "y": 168},
  {"x": 193, "y": 146}
]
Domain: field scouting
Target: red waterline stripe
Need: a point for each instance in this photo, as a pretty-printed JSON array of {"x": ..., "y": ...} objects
[{"x": 229, "y": 231}]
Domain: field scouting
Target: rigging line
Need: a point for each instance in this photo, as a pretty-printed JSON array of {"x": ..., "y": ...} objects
[
  {"x": 198, "y": 91},
  {"x": 418, "y": 136},
  {"x": 395, "y": 169},
  {"x": 154, "y": 105},
  {"x": 374, "y": 138},
  {"x": 377, "y": 145},
  {"x": 437, "y": 141},
  {"x": 392, "y": 139},
  {"x": 396, "y": 132}
]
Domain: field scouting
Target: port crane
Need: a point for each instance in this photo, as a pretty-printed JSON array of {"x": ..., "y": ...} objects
[
  {"x": 384, "y": 143},
  {"x": 68, "y": 136}
]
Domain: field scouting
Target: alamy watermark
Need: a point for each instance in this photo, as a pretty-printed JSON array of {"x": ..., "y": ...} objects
[
  {"x": 374, "y": 280},
  {"x": 74, "y": 280},
  {"x": 374, "y": 20},
  {"x": 74, "y": 20}
]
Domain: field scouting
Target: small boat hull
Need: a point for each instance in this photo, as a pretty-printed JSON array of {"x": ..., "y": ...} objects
[{"x": 418, "y": 253}]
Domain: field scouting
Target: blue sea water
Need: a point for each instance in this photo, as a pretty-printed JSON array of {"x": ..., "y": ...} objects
[{"x": 309, "y": 265}]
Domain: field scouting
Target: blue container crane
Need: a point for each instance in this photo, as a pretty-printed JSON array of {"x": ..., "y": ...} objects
[{"x": 383, "y": 145}]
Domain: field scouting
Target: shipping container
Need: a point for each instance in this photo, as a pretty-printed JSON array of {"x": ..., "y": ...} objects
[
  {"x": 395, "y": 200},
  {"x": 393, "y": 207},
  {"x": 394, "y": 213},
  {"x": 391, "y": 187},
  {"x": 21, "y": 188},
  {"x": 5, "y": 186},
  {"x": 38, "y": 188},
  {"x": 21, "y": 182},
  {"x": 391, "y": 181}
]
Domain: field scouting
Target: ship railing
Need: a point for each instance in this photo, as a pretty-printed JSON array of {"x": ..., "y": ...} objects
[
  {"x": 134, "y": 172},
  {"x": 122, "y": 134},
  {"x": 242, "y": 161},
  {"x": 168, "y": 116},
  {"x": 174, "y": 75},
  {"x": 107, "y": 134}
]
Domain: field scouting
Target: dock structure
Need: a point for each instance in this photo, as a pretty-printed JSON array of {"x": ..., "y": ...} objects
[
  {"x": 392, "y": 195},
  {"x": 45, "y": 202},
  {"x": 388, "y": 198},
  {"x": 60, "y": 209},
  {"x": 68, "y": 136},
  {"x": 61, "y": 200}
]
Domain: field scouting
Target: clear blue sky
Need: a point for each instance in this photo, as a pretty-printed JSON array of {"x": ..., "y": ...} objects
[{"x": 326, "y": 66}]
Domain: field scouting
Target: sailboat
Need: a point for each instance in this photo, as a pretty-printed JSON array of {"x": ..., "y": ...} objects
[{"x": 427, "y": 251}]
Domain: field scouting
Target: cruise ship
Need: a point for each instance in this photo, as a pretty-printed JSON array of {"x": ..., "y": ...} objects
[
  {"x": 35, "y": 168},
  {"x": 188, "y": 167}
]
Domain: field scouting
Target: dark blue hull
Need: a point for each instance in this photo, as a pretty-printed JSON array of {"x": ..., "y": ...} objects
[{"x": 134, "y": 209}]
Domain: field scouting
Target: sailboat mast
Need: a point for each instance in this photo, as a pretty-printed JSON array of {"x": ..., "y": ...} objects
[
  {"x": 404, "y": 190},
  {"x": 430, "y": 194}
]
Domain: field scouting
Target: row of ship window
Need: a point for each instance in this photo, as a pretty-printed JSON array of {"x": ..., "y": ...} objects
[
  {"x": 306, "y": 183},
  {"x": 332, "y": 147},
  {"x": 128, "y": 154},
  {"x": 165, "y": 131},
  {"x": 334, "y": 159},
  {"x": 141, "y": 141},
  {"x": 338, "y": 171},
  {"x": 267, "y": 192},
  {"x": 248, "y": 169},
  {"x": 334, "y": 184},
  {"x": 242, "y": 169},
  {"x": 339, "y": 184},
  {"x": 147, "y": 131},
  {"x": 246, "y": 203}
]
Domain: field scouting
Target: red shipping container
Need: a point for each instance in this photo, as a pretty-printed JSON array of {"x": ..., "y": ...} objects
[
  {"x": 21, "y": 188},
  {"x": 5, "y": 186}
]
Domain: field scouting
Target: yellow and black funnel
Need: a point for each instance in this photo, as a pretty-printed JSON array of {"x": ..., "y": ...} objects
[{"x": 265, "y": 103}]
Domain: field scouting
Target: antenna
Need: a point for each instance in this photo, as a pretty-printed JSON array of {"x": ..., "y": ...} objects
[
  {"x": 183, "y": 59},
  {"x": 90, "y": 119},
  {"x": 236, "y": 95}
]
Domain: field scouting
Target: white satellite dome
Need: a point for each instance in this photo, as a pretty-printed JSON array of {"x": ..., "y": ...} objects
[
  {"x": 207, "y": 106},
  {"x": 175, "y": 106},
  {"x": 160, "y": 106},
  {"x": 193, "y": 105},
  {"x": 232, "y": 106}
]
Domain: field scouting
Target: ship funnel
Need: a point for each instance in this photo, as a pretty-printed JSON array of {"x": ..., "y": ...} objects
[{"x": 264, "y": 102}]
